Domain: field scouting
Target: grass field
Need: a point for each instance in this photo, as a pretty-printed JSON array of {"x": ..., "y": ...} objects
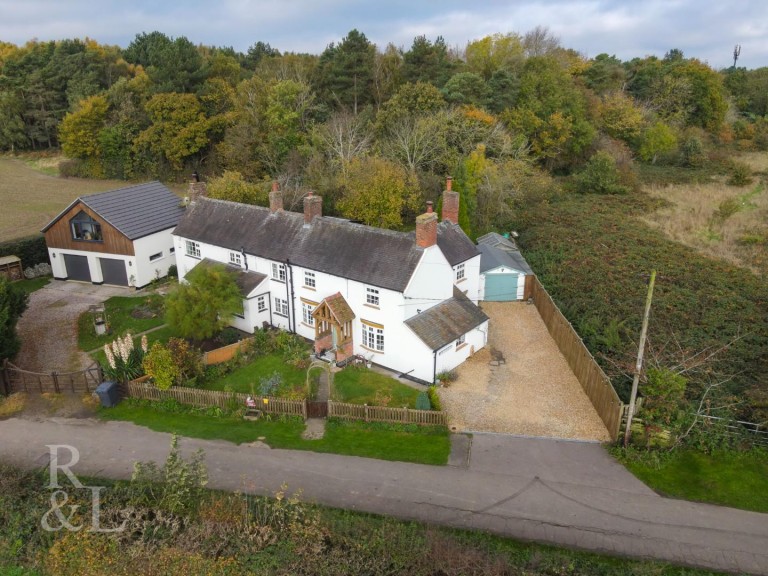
[{"x": 31, "y": 195}]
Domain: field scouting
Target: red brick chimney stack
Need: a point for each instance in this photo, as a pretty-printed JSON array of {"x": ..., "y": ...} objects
[
  {"x": 196, "y": 188},
  {"x": 426, "y": 228},
  {"x": 275, "y": 198},
  {"x": 313, "y": 207},
  {"x": 450, "y": 203}
]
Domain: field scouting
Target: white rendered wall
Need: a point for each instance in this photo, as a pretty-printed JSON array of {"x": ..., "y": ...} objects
[{"x": 142, "y": 269}]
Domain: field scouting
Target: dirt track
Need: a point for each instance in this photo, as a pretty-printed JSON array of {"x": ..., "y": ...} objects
[{"x": 532, "y": 392}]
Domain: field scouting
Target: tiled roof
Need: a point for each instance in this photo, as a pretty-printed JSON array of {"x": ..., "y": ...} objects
[
  {"x": 246, "y": 280},
  {"x": 454, "y": 243},
  {"x": 492, "y": 257},
  {"x": 445, "y": 322},
  {"x": 497, "y": 240},
  {"x": 136, "y": 211},
  {"x": 338, "y": 307},
  {"x": 378, "y": 257}
]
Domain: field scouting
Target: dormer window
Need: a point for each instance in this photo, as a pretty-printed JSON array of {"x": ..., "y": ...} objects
[{"x": 86, "y": 228}]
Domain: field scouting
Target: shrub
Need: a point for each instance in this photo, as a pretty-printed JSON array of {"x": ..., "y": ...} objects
[
  {"x": 269, "y": 385},
  {"x": 741, "y": 174},
  {"x": 32, "y": 250},
  {"x": 692, "y": 153},
  {"x": 422, "y": 401},
  {"x": 447, "y": 377},
  {"x": 159, "y": 364},
  {"x": 173, "y": 271},
  {"x": 124, "y": 360},
  {"x": 600, "y": 176},
  {"x": 434, "y": 398}
]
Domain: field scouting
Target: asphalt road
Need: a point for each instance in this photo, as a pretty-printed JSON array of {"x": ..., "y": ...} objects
[{"x": 559, "y": 492}]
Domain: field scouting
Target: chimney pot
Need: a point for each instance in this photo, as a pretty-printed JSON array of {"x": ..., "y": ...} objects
[
  {"x": 429, "y": 207},
  {"x": 448, "y": 182},
  {"x": 275, "y": 186},
  {"x": 275, "y": 198}
]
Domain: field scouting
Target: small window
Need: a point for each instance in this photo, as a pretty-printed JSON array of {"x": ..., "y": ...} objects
[
  {"x": 306, "y": 314},
  {"x": 172, "y": 250},
  {"x": 460, "y": 272},
  {"x": 278, "y": 271},
  {"x": 372, "y": 296},
  {"x": 86, "y": 228},
  {"x": 261, "y": 303},
  {"x": 192, "y": 248},
  {"x": 281, "y": 306},
  {"x": 309, "y": 279},
  {"x": 236, "y": 258},
  {"x": 373, "y": 338},
  {"x": 155, "y": 256},
  {"x": 460, "y": 340}
]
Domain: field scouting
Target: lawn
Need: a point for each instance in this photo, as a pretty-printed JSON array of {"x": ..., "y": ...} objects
[
  {"x": 423, "y": 445},
  {"x": 736, "y": 479},
  {"x": 241, "y": 379},
  {"x": 119, "y": 316},
  {"x": 362, "y": 386},
  {"x": 32, "y": 285}
]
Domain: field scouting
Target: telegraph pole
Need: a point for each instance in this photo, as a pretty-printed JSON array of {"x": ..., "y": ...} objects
[{"x": 639, "y": 364}]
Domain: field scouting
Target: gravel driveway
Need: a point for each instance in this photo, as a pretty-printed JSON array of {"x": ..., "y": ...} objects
[
  {"x": 531, "y": 392},
  {"x": 48, "y": 327}
]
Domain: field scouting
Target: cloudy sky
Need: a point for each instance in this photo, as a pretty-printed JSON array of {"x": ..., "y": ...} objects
[{"x": 703, "y": 29}]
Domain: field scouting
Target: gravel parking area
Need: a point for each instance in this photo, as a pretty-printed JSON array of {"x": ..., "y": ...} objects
[
  {"x": 48, "y": 327},
  {"x": 520, "y": 383}
]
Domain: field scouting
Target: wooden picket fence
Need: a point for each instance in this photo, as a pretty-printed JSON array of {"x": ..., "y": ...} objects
[
  {"x": 596, "y": 385},
  {"x": 386, "y": 414},
  {"x": 206, "y": 398}
]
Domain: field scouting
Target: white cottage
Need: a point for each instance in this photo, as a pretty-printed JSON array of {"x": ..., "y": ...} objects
[{"x": 405, "y": 301}]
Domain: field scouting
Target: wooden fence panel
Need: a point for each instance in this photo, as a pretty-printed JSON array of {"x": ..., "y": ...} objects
[
  {"x": 596, "y": 385},
  {"x": 81, "y": 381},
  {"x": 386, "y": 414},
  {"x": 225, "y": 353},
  {"x": 217, "y": 398}
]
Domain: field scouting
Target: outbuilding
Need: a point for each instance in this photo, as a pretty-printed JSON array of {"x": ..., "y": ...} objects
[
  {"x": 503, "y": 269},
  {"x": 120, "y": 237}
]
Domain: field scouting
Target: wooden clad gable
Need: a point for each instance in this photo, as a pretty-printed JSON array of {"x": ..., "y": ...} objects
[{"x": 59, "y": 234}]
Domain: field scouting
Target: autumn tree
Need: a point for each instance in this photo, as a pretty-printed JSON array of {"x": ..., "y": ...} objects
[
  {"x": 491, "y": 54},
  {"x": 204, "y": 303},
  {"x": 233, "y": 187},
  {"x": 13, "y": 302},
  {"x": 79, "y": 131},
  {"x": 378, "y": 192}
]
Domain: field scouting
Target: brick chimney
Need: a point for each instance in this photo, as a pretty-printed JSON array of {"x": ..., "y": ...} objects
[
  {"x": 426, "y": 228},
  {"x": 313, "y": 206},
  {"x": 450, "y": 203},
  {"x": 196, "y": 188},
  {"x": 275, "y": 198}
]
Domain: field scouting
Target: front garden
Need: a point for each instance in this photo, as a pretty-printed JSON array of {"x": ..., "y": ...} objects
[{"x": 270, "y": 363}]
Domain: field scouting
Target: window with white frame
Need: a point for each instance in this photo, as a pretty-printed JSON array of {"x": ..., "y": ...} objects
[
  {"x": 154, "y": 257},
  {"x": 192, "y": 248},
  {"x": 372, "y": 296},
  {"x": 373, "y": 337},
  {"x": 306, "y": 314},
  {"x": 261, "y": 303},
  {"x": 241, "y": 311},
  {"x": 278, "y": 271},
  {"x": 281, "y": 306},
  {"x": 309, "y": 279},
  {"x": 236, "y": 258},
  {"x": 460, "y": 340},
  {"x": 460, "y": 272}
]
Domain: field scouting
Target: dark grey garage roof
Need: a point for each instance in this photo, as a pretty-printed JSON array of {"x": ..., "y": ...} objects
[
  {"x": 492, "y": 257},
  {"x": 135, "y": 211},
  {"x": 497, "y": 240},
  {"x": 246, "y": 280},
  {"x": 445, "y": 322},
  {"x": 372, "y": 255}
]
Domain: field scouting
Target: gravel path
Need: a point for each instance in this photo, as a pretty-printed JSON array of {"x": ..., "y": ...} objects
[
  {"x": 48, "y": 328},
  {"x": 520, "y": 383}
]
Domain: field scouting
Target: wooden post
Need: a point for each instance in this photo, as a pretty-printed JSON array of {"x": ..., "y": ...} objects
[
  {"x": 55, "y": 380},
  {"x": 639, "y": 364},
  {"x": 6, "y": 380}
]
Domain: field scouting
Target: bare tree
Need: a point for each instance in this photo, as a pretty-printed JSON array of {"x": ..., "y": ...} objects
[
  {"x": 540, "y": 42},
  {"x": 346, "y": 136}
]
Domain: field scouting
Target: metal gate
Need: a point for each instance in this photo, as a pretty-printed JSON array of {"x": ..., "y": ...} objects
[
  {"x": 317, "y": 409},
  {"x": 77, "y": 267},
  {"x": 113, "y": 271}
]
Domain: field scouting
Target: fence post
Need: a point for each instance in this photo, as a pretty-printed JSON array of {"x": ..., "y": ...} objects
[
  {"x": 55, "y": 379},
  {"x": 6, "y": 379}
]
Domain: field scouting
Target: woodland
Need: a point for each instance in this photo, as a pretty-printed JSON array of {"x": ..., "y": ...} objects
[{"x": 575, "y": 155}]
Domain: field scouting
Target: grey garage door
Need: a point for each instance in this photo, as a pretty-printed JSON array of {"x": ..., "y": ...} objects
[
  {"x": 77, "y": 267},
  {"x": 500, "y": 287},
  {"x": 113, "y": 271}
]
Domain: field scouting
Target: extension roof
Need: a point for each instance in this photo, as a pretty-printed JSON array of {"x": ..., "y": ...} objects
[
  {"x": 246, "y": 280},
  {"x": 447, "y": 321},
  {"x": 382, "y": 258},
  {"x": 497, "y": 240},
  {"x": 135, "y": 211},
  {"x": 492, "y": 257},
  {"x": 455, "y": 244}
]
